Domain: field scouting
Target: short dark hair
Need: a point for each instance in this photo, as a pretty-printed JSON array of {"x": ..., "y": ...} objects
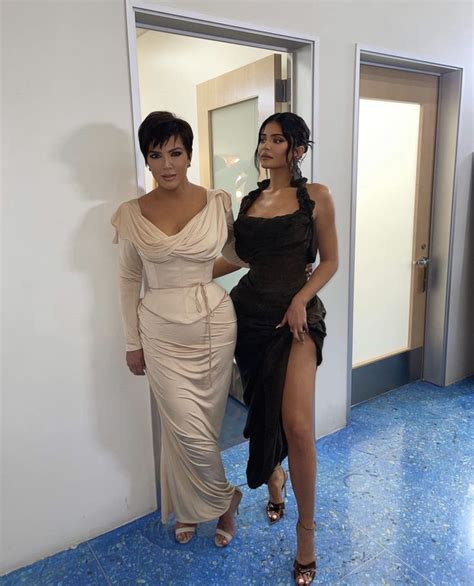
[
  {"x": 159, "y": 127},
  {"x": 293, "y": 128}
]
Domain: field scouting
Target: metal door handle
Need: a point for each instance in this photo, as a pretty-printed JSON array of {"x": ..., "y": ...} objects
[{"x": 422, "y": 261}]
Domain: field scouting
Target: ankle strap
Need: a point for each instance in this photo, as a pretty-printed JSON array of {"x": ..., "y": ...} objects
[{"x": 312, "y": 528}]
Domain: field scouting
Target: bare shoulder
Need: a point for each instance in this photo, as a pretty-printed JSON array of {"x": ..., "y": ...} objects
[
  {"x": 318, "y": 192},
  {"x": 199, "y": 190},
  {"x": 146, "y": 197},
  {"x": 321, "y": 195},
  {"x": 147, "y": 201}
]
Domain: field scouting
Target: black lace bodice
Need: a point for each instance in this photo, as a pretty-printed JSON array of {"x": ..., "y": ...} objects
[{"x": 277, "y": 250}]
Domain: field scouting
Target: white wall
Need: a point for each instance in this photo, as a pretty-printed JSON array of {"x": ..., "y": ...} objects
[
  {"x": 77, "y": 454},
  {"x": 171, "y": 66}
]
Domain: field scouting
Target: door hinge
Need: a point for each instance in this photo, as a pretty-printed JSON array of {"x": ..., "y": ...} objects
[{"x": 282, "y": 90}]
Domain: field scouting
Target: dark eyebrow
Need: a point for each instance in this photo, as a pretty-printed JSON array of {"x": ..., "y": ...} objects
[
  {"x": 170, "y": 151},
  {"x": 277, "y": 134}
]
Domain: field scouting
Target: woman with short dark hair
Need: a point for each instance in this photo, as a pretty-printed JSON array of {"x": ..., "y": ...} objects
[{"x": 182, "y": 332}]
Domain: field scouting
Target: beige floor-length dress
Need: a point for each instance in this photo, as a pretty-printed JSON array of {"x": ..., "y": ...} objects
[{"x": 186, "y": 325}]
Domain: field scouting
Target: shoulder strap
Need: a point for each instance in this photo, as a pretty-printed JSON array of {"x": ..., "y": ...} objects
[
  {"x": 248, "y": 200},
  {"x": 305, "y": 202},
  {"x": 307, "y": 206}
]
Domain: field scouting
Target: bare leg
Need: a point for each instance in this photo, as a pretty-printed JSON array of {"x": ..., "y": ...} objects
[
  {"x": 298, "y": 423},
  {"x": 275, "y": 484}
]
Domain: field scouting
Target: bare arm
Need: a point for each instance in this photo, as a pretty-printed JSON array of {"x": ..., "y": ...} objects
[
  {"x": 325, "y": 226},
  {"x": 223, "y": 267}
]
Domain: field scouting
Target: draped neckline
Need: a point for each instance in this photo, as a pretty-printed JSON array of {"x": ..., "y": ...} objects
[
  {"x": 191, "y": 220},
  {"x": 193, "y": 240}
]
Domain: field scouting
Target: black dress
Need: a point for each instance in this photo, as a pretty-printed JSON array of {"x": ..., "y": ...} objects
[{"x": 277, "y": 251}]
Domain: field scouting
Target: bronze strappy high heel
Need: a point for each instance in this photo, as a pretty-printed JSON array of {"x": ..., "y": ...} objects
[
  {"x": 275, "y": 511},
  {"x": 304, "y": 574}
]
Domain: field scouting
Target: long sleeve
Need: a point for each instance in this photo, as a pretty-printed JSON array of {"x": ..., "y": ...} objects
[
  {"x": 130, "y": 283},
  {"x": 228, "y": 252}
]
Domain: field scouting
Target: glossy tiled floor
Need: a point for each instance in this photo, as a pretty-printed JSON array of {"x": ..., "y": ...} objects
[{"x": 395, "y": 506}]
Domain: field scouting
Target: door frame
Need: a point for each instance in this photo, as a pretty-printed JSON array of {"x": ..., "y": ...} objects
[
  {"x": 173, "y": 20},
  {"x": 443, "y": 203}
]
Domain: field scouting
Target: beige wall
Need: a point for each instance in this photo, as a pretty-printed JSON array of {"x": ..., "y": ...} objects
[{"x": 77, "y": 453}]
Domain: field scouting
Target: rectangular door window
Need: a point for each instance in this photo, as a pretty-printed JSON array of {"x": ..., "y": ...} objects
[
  {"x": 386, "y": 189},
  {"x": 233, "y": 141}
]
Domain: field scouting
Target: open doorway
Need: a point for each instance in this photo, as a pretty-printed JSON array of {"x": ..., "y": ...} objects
[
  {"x": 217, "y": 76},
  {"x": 170, "y": 79},
  {"x": 234, "y": 46},
  {"x": 225, "y": 100}
]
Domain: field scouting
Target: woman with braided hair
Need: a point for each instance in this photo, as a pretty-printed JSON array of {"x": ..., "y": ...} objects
[{"x": 280, "y": 228}]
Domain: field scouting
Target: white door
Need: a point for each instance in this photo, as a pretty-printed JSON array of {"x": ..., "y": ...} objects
[{"x": 397, "y": 129}]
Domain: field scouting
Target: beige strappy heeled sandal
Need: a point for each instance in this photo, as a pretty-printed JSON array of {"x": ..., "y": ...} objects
[
  {"x": 180, "y": 530},
  {"x": 228, "y": 537}
]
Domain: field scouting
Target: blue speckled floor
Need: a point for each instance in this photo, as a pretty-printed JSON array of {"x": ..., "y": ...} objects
[
  {"x": 234, "y": 423},
  {"x": 395, "y": 506}
]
